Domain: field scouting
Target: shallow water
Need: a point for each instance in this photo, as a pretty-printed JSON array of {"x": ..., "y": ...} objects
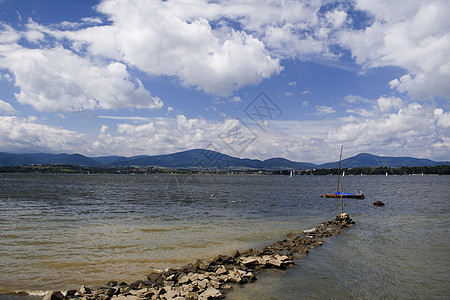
[{"x": 61, "y": 231}]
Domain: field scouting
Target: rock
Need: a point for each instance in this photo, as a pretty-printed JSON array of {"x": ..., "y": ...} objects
[
  {"x": 378, "y": 203},
  {"x": 202, "y": 284},
  {"x": 221, "y": 270},
  {"x": 214, "y": 284},
  {"x": 183, "y": 279},
  {"x": 235, "y": 254},
  {"x": 71, "y": 293},
  {"x": 105, "y": 290},
  {"x": 343, "y": 216},
  {"x": 54, "y": 295},
  {"x": 201, "y": 265},
  {"x": 102, "y": 297},
  {"x": 112, "y": 283},
  {"x": 83, "y": 291},
  {"x": 249, "y": 261},
  {"x": 191, "y": 296},
  {"x": 125, "y": 297},
  {"x": 211, "y": 293},
  {"x": 154, "y": 275},
  {"x": 171, "y": 294},
  {"x": 136, "y": 285},
  {"x": 138, "y": 292}
]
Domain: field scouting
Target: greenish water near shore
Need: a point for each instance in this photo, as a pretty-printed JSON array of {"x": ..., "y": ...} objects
[{"x": 61, "y": 231}]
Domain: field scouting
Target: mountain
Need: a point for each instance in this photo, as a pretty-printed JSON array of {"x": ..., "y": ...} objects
[
  {"x": 10, "y": 159},
  {"x": 370, "y": 160},
  {"x": 207, "y": 159}
]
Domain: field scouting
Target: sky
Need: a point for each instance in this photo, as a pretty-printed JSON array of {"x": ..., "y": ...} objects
[{"x": 252, "y": 79}]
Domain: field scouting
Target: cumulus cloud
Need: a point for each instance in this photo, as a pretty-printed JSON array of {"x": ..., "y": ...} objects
[
  {"x": 56, "y": 79},
  {"x": 28, "y": 134},
  {"x": 386, "y": 104},
  {"x": 5, "y": 107},
  {"x": 408, "y": 130},
  {"x": 158, "y": 39},
  {"x": 412, "y": 35}
]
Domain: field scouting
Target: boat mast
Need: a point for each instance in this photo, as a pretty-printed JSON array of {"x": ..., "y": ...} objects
[{"x": 339, "y": 171}]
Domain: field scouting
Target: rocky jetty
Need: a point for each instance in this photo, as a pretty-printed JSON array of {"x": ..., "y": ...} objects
[{"x": 211, "y": 279}]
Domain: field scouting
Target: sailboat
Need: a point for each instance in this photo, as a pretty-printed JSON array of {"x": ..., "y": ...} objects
[{"x": 338, "y": 193}]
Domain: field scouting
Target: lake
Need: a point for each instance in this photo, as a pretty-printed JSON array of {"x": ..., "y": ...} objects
[{"x": 58, "y": 232}]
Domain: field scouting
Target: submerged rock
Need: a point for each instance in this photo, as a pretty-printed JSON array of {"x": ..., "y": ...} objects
[{"x": 378, "y": 203}]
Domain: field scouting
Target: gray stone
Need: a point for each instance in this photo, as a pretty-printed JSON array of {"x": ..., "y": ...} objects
[
  {"x": 211, "y": 293},
  {"x": 54, "y": 295},
  {"x": 183, "y": 279}
]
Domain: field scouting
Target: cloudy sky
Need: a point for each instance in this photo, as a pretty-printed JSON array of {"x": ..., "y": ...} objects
[{"x": 253, "y": 78}]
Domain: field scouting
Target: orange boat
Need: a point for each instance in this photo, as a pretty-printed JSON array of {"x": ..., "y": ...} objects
[{"x": 345, "y": 195}]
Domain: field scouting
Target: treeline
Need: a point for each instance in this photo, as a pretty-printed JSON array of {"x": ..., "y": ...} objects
[
  {"x": 427, "y": 170},
  {"x": 58, "y": 169}
]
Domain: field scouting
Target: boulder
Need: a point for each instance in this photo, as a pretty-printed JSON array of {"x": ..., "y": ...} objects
[
  {"x": 136, "y": 285},
  {"x": 112, "y": 283},
  {"x": 211, "y": 293},
  {"x": 221, "y": 270},
  {"x": 154, "y": 275},
  {"x": 83, "y": 291},
  {"x": 249, "y": 261},
  {"x": 183, "y": 279},
  {"x": 54, "y": 295}
]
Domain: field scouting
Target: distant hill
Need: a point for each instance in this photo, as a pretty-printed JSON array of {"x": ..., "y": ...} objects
[
  {"x": 207, "y": 159},
  {"x": 369, "y": 160}
]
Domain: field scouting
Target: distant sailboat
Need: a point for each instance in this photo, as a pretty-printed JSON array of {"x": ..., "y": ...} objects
[{"x": 292, "y": 173}]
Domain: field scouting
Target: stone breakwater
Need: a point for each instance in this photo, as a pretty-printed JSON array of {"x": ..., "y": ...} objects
[{"x": 211, "y": 279}]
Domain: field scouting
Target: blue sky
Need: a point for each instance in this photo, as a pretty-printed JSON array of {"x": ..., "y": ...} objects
[{"x": 253, "y": 79}]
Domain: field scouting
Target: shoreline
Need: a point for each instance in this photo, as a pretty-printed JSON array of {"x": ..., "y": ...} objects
[{"x": 207, "y": 279}]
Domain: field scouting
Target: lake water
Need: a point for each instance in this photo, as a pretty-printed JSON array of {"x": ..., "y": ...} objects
[{"x": 61, "y": 231}]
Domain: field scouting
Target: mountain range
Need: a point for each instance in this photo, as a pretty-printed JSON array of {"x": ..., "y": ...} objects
[{"x": 207, "y": 159}]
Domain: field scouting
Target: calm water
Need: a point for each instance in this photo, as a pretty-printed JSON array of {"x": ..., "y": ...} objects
[{"x": 62, "y": 231}]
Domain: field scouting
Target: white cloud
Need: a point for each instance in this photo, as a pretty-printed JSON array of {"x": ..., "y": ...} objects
[
  {"x": 353, "y": 99},
  {"x": 140, "y": 119},
  {"x": 336, "y": 18},
  {"x": 443, "y": 119},
  {"x": 386, "y": 104},
  {"x": 323, "y": 109},
  {"x": 56, "y": 79},
  {"x": 235, "y": 99},
  {"x": 7, "y": 35},
  {"x": 412, "y": 35},
  {"x": 413, "y": 130},
  {"x": 5, "y": 107},
  {"x": 158, "y": 39},
  {"x": 28, "y": 135}
]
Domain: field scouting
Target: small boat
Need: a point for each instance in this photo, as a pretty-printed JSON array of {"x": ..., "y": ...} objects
[
  {"x": 345, "y": 195},
  {"x": 360, "y": 195}
]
